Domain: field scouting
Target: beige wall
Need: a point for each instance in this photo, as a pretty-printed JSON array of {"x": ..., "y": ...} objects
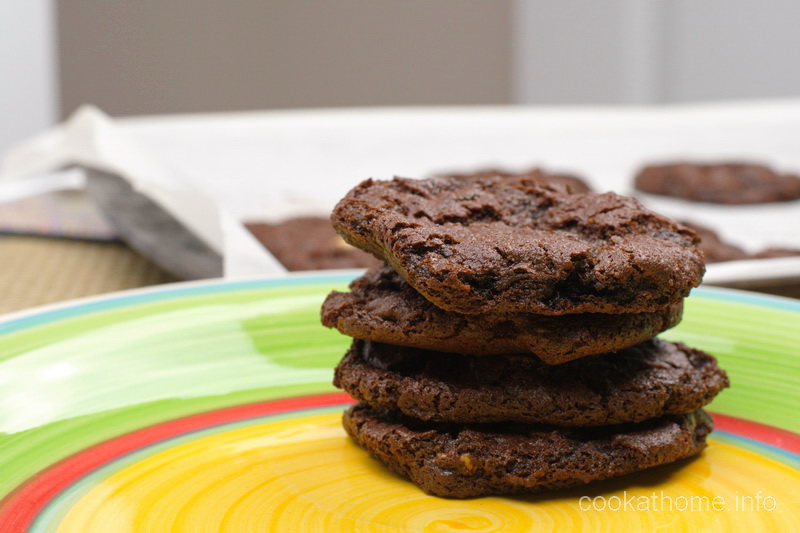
[{"x": 148, "y": 56}]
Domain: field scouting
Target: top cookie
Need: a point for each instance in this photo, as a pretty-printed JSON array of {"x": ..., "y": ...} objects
[
  {"x": 724, "y": 183},
  {"x": 511, "y": 244}
]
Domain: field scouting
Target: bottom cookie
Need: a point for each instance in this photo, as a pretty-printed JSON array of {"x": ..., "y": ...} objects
[{"x": 462, "y": 461}]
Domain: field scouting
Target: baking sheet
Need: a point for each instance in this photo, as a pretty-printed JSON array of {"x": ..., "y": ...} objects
[{"x": 272, "y": 165}]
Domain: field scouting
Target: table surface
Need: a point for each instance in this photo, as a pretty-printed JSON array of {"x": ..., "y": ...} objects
[{"x": 42, "y": 270}]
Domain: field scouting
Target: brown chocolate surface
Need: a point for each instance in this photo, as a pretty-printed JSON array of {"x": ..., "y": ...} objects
[
  {"x": 722, "y": 183},
  {"x": 713, "y": 247},
  {"x": 383, "y": 307},
  {"x": 771, "y": 253},
  {"x": 308, "y": 243},
  {"x": 716, "y": 250},
  {"x": 649, "y": 380},
  {"x": 468, "y": 461},
  {"x": 511, "y": 244},
  {"x": 567, "y": 182}
]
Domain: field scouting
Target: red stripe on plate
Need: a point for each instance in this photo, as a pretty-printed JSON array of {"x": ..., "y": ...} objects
[
  {"x": 780, "y": 438},
  {"x": 19, "y": 508}
]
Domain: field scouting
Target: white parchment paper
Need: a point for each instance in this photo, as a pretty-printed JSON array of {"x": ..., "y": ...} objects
[{"x": 214, "y": 171}]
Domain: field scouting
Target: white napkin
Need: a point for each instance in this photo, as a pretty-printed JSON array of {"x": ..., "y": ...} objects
[{"x": 91, "y": 139}]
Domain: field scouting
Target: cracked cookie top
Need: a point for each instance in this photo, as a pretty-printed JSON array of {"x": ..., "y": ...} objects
[{"x": 477, "y": 244}]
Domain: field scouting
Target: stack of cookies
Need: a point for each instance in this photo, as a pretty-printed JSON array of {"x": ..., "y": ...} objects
[{"x": 506, "y": 345}]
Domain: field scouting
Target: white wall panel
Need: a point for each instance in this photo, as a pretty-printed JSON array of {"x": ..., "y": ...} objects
[
  {"x": 28, "y": 71},
  {"x": 651, "y": 51}
]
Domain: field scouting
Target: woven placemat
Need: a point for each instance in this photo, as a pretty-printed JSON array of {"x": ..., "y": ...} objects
[{"x": 40, "y": 270}]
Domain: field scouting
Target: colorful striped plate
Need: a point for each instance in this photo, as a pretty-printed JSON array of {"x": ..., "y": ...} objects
[{"x": 208, "y": 407}]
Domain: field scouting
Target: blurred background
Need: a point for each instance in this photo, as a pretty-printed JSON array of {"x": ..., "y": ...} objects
[{"x": 152, "y": 57}]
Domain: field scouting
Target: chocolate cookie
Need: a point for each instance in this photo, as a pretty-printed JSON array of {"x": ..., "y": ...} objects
[
  {"x": 716, "y": 250},
  {"x": 383, "y": 307},
  {"x": 567, "y": 182},
  {"x": 308, "y": 243},
  {"x": 722, "y": 183},
  {"x": 471, "y": 461},
  {"x": 510, "y": 245},
  {"x": 772, "y": 253},
  {"x": 713, "y": 247},
  {"x": 651, "y": 379}
]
